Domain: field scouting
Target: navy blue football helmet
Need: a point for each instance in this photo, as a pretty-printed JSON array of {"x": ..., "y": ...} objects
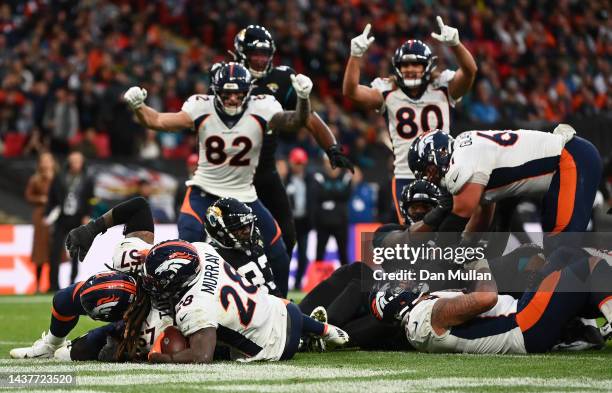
[
  {"x": 231, "y": 224},
  {"x": 107, "y": 296},
  {"x": 231, "y": 78},
  {"x": 413, "y": 51},
  {"x": 170, "y": 267},
  {"x": 252, "y": 39},
  {"x": 418, "y": 191},
  {"x": 431, "y": 148}
]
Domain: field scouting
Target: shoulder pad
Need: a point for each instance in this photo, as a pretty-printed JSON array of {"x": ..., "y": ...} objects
[
  {"x": 198, "y": 105},
  {"x": 264, "y": 105},
  {"x": 128, "y": 255},
  {"x": 456, "y": 177}
]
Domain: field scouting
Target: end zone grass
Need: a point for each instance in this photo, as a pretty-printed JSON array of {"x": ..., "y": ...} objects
[{"x": 25, "y": 317}]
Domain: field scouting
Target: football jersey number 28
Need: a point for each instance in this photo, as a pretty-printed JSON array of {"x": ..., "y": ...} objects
[
  {"x": 216, "y": 155},
  {"x": 407, "y": 128}
]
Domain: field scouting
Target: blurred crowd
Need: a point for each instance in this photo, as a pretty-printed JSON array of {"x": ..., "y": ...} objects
[{"x": 64, "y": 64}]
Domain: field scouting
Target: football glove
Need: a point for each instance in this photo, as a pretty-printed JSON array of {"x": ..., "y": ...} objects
[
  {"x": 135, "y": 96},
  {"x": 302, "y": 85},
  {"x": 361, "y": 43},
  {"x": 337, "y": 159},
  {"x": 79, "y": 239},
  {"x": 566, "y": 131},
  {"x": 448, "y": 36}
]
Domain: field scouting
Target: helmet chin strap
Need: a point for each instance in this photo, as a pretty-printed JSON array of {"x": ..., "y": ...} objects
[{"x": 233, "y": 111}]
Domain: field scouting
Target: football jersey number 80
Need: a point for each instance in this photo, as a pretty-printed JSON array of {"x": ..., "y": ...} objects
[{"x": 407, "y": 128}]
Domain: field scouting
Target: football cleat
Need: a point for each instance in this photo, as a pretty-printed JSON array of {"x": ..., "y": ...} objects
[
  {"x": 63, "y": 353},
  {"x": 335, "y": 337},
  {"x": 317, "y": 344},
  {"x": 41, "y": 349}
]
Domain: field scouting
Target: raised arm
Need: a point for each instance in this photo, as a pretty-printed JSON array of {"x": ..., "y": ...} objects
[
  {"x": 150, "y": 118},
  {"x": 465, "y": 75},
  {"x": 294, "y": 120},
  {"x": 364, "y": 96}
]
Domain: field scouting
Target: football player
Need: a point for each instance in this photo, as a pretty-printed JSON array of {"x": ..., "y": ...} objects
[
  {"x": 482, "y": 167},
  {"x": 416, "y": 98},
  {"x": 213, "y": 302},
  {"x": 230, "y": 226},
  {"x": 343, "y": 297},
  {"x": 255, "y": 49},
  {"x": 484, "y": 322},
  {"x": 81, "y": 298},
  {"x": 231, "y": 125}
]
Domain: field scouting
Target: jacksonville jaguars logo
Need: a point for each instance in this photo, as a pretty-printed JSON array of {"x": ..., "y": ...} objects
[
  {"x": 273, "y": 87},
  {"x": 214, "y": 215}
]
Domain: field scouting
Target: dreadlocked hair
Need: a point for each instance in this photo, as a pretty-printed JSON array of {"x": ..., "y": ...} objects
[{"x": 134, "y": 318}]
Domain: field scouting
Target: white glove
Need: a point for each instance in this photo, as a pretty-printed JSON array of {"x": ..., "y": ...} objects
[
  {"x": 135, "y": 96},
  {"x": 302, "y": 85},
  {"x": 449, "y": 36},
  {"x": 566, "y": 131},
  {"x": 361, "y": 43}
]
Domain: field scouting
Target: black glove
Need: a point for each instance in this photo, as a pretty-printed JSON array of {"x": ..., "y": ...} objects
[
  {"x": 435, "y": 216},
  {"x": 79, "y": 239},
  {"x": 337, "y": 159}
]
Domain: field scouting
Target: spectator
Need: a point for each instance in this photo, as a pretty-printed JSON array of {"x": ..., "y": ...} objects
[
  {"x": 36, "y": 194},
  {"x": 332, "y": 191},
  {"x": 149, "y": 148},
  {"x": 298, "y": 190},
  {"x": 483, "y": 110},
  {"x": 68, "y": 207},
  {"x": 62, "y": 118},
  {"x": 88, "y": 146}
]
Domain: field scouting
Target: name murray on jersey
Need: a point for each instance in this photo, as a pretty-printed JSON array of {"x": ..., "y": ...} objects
[{"x": 210, "y": 276}]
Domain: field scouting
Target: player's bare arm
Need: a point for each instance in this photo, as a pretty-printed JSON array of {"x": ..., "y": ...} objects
[
  {"x": 448, "y": 312},
  {"x": 150, "y": 118},
  {"x": 201, "y": 349},
  {"x": 326, "y": 139},
  {"x": 364, "y": 96},
  {"x": 294, "y": 120},
  {"x": 465, "y": 75}
]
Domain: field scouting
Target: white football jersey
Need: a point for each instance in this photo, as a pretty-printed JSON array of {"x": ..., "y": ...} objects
[
  {"x": 152, "y": 328},
  {"x": 494, "y": 331},
  {"x": 250, "y": 321},
  {"x": 229, "y": 156},
  {"x": 507, "y": 163},
  {"x": 408, "y": 118},
  {"x": 127, "y": 255}
]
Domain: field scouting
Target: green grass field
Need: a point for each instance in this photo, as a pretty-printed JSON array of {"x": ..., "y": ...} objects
[{"x": 25, "y": 317}]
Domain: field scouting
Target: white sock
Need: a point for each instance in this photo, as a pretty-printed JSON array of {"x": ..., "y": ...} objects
[
  {"x": 589, "y": 322},
  {"x": 606, "y": 308},
  {"x": 53, "y": 340}
]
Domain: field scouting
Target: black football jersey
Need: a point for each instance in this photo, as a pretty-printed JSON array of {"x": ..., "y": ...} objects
[
  {"x": 253, "y": 266},
  {"x": 278, "y": 84}
]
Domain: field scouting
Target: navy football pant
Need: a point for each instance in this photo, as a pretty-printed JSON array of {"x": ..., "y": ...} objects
[{"x": 191, "y": 229}]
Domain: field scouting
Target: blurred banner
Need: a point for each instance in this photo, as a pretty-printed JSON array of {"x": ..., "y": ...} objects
[{"x": 17, "y": 272}]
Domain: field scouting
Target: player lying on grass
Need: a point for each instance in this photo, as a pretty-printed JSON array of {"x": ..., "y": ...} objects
[
  {"x": 576, "y": 283},
  {"x": 212, "y": 302},
  {"x": 343, "y": 298},
  {"x": 482, "y": 167},
  {"x": 104, "y": 296}
]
